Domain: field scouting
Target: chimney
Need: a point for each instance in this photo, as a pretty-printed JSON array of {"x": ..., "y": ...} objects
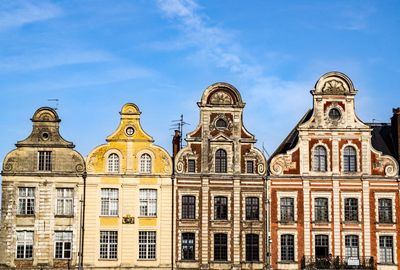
[
  {"x": 176, "y": 143},
  {"x": 396, "y": 130}
]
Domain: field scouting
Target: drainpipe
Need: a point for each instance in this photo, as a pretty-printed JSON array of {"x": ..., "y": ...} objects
[{"x": 82, "y": 234}]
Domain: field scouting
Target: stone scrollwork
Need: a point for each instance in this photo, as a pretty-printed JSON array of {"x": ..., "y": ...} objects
[
  {"x": 386, "y": 165},
  {"x": 282, "y": 163},
  {"x": 179, "y": 166},
  {"x": 166, "y": 163},
  {"x": 334, "y": 87},
  {"x": 261, "y": 168},
  {"x": 221, "y": 98},
  {"x": 7, "y": 167}
]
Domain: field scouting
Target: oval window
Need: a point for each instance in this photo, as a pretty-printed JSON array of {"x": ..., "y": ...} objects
[
  {"x": 221, "y": 123},
  {"x": 129, "y": 131},
  {"x": 334, "y": 114}
]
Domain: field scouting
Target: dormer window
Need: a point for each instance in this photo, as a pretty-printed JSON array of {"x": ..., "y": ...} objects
[
  {"x": 113, "y": 163},
  {"x": 334, "y": 114},
  {"x": 44, "y": 161},
  {"x": 221, "y": 123},
  {"x": 145, "y": 163}
]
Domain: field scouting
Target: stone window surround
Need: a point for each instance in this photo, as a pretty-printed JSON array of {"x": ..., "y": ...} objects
[
  {"x": 196, "y": 194},
  {"x": 358, "y": 158},
  {"x": 260, "y": 204},
  {"x": 328, "y": 158},
  {"x": 229, "y": 242},
  {"x": 295, "y": 234},
  {"x": 357, "y": 195},
  {"x": 385, "y": 195},
  {"x": 290, "y": 194},
  {"x": 36, "y": 197},
  {"x": 323, "y": 232},
  {"x": 218, "y": 194},
  {"x": 260, "y": 245},
  {"x": 227, "y": 146},
  {"x": 360, "y": 242},
  {"x": 394, "y": 235},
  {"x": 315, "y": 195},
  {"x": 152, "y": 156},
  {"x": 196, "y": 244},
  {"x": 107, "y": 154}
]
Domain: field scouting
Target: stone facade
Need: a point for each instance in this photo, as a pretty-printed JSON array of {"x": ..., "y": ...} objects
[
  {"x": 218, "y": 171},
  {"x": 128, "y": 200},
  {"x": 40, "y": 198},
  {"x": 327, "y": 181}
]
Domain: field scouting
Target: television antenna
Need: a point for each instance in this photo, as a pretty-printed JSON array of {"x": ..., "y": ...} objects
[
  {"x": 55, "y": 100},
  {"x": 178, "y": 125}
]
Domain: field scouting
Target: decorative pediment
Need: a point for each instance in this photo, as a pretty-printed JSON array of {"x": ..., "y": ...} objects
[
  {"x": 334, "y": 83},
  {"x": 221, "y": 98},
  {"x": 334, "y": 87}
]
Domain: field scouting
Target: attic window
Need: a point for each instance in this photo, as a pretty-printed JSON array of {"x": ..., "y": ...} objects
[
  {"x": 334, "y": 114},
  {"x": 221, "y": 123}
]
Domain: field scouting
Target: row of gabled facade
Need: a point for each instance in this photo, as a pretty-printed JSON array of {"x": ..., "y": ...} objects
[{"x": 327, "y": 198}]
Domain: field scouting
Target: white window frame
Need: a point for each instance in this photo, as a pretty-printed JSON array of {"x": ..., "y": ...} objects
[
  {"x": 394, "y": 248},
  {"x": 280, "y": 233},
  {"x": 327, "y": 195},
  {"x": 148, "y": 202},
  {"x": 113, "y": 163},
  {"x": 147, "y": 245},
  {"x": 26, "y": 241},
  {"x": 63, "y": 237},
  {"x": 145, "y": 163},
  {"x": 385, "y": 195},
  {"x": 27, "y": 196},
  {"x": 109, "y": 202},
  {"x": 65, "y": 201},
  {"x": 110, "y": 246}
]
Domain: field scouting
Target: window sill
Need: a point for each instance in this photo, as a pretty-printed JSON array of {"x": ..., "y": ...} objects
[
  {"x": 112, "y": 260},
  {"x": 221, "y": 262},
  {"x": 321, "y": 222},
  {"x": 147, "y": 260},
  {"x": 252, "y": 220},
  {"x": 64, "y": 216},
  {"x": 188, "y": 261},
  {"x": 385, "y": 223},
  {"x": 26, "y": 215},
  {"x": 287, "y": 262},
  {"x": 388, "y": 264},
  {"x": 288, "y": 222},
  {"x": 189, "y": 219},
  {"x": 62, "y": 259},
  {"x": 147, "y": 216},
  {"x": 24, "y": 259},
  {"x": 351, "y": 222},
  {"x": 105, "y": 216}
]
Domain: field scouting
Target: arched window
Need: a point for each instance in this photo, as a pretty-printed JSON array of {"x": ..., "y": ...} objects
[
  {"x": 145, "y": 163},
  {"x": 320, "y": 159},
  {"x": 221, "y": 123},
  {"x": 220, "y": 161},
  {"x": 349, "y": 159},
  {"x": 113, "y": 163}
]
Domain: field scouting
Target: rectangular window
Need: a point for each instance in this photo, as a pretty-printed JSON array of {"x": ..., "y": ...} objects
[
  {"x": 385, "y": 210},
  {"x": 191, "y": 165},
  {"x": 221, "y": 207},
  {"x": 26, "y": 201},
  {"x": 252, "y": 248},
  {"x": 220, "y": 247},
  {"x": 44, "y": 161},
  {"x": 148, "y": 202},
  {"x": 108, "y": 244},
  {"x": 65, "y": 201},
  {"x": 109, "y": 202},
  {"x": 321, "y": 246},
  {"x": 147, "y": 245},
  {"x": 386, "y": 249},
  {"x": 252, "y": 208},
  {"x": 287, "y": 247},
  {"x": 188, "y": 207},
  {"x": 287, "y": 210},
  {"x": 321, "y": 209},
  {"x": 249, "y": 166},
  {"x": 188, "y": 246},
  {"x": 351, "y": 209},
  {"x": 351, "y": 245},
  {"x": 63, "y": 245},
  {"x": 24, "y": 245}
]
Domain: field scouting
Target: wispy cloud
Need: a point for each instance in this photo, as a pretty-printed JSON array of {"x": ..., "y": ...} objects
[
  {"x": 355, "y": 20},
  {"x": 18, "y": 13}
]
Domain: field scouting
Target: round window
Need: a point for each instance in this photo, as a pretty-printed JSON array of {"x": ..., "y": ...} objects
[
  {"x": 221, "y": 123},
  {"x": 45, "y": 136},
  {"x": 129, "y": 131},
  {"x": 334, "y": 114}
]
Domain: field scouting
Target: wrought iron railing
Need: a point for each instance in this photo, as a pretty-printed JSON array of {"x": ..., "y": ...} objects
[{"x": 330, "y": 262}]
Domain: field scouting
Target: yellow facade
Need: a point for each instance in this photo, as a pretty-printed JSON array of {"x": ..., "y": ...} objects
[{"x": 142, "y": 170}]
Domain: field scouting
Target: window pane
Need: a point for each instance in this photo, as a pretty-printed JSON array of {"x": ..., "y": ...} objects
[
  {"x": 220, "y": 247},
  {"x": 220, "y": 161}
]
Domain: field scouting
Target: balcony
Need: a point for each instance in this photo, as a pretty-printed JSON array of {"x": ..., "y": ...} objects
[{"x": 311, "y": 262}]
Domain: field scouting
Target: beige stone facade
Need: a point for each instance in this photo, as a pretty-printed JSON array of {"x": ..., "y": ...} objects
[
  {"x": 40, "y": 198},
  {"x": 220, "y": 210},
  {"x": 334, "y": 187},
  {"x": 128, "y": 216}
]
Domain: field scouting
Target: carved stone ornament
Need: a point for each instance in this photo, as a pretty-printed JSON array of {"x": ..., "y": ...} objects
[
  {"x": 188, "y": 154},
  {"x": 334, "y": 121},
  {"x": 386, "y": 165},
  {"x": 221, "y": 98},
  {"x": 333, "y": 87},
  {"x": 128, "y": 219},
  {"x": 229, "y": 123},
  {"x": 282, "y": 163},
  {"x": 166, "y": 164}
]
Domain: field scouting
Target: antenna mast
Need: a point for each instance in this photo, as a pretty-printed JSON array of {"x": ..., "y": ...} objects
[
  {"x": 178, "y": 125},
  {"x": 54, "y": 100}
]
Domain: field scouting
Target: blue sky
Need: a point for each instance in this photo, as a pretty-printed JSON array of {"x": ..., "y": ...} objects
[{"x": 95, "y": 56}]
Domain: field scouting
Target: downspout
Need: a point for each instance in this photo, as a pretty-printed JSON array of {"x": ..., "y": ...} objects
[{"x": 82, "y": 234}]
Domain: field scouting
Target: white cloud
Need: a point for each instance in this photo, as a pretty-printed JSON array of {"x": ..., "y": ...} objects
[{"x": 18, "y": 13}]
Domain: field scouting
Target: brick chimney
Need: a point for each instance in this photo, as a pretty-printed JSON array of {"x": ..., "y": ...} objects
[
  {"x": 396, "y": 130},
  {"x": 176, "y": 143}
]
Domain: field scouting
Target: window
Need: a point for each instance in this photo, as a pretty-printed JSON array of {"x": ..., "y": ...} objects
[
  {"x": 321, "y": 246},
  {"x": 108, "y": 244},
  {"x": 252, "y": 208},
  {"x": 385, "y": 210},
  {"x": 221, "y": 123},
  {"x": 145, "y": 163},
  {"x": 188, "y": 207},
  {"x": 220, "y": 161},
  {"x": 220, "y": 247},
  {"x": 191, "y": 165},
  {"x": 65, "y": 201},
  {"x": 351, "y": 209},
  {"x": 320, "y": 159},
  {"x": 321, "y": 210},
  {"x": 24, "y": 245},
  {"x": 334, "y": 114},
  {"x": 109, "y": 201},
  {"x": 249, "y": 166},
  {"x": 26, "y": 201},
  {"x": 252, "y": 248},
  {"x": 63, "y": 245},
  {"x": 287, "y": 247},
  {"x": 349, "y": 159},
  {"x": 351, "y": 245},
  {"x": 287, "y": 210},
  {"x": 148, "y": 202},
  {"x": 188, "y": 246},
  {"x": 386, "y": 249},
  {"x": 220, "y": 207},
  {"x": 44, "y": 163},
  {"x": 147, "y": 245},
  {"x": 113, "y": 163}
]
